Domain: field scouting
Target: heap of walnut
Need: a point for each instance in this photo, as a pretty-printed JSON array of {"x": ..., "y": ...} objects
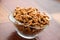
[{"x": 34, "y": 20}]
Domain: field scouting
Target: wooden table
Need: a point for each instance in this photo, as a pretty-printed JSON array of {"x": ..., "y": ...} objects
[
  {"x": 52, "y": 32},
  {"x": 7, "y": 29}
]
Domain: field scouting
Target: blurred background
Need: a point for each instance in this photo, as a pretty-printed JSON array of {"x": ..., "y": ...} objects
[{"x": 51, "y": 6}]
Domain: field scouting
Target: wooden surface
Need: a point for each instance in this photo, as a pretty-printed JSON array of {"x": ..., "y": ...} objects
[
  {"x": 7, "y": 29},
  {"x": 52, "y": 6},
  {"x": 7, "y": 32},
  {"x": 52, "y": 32}
]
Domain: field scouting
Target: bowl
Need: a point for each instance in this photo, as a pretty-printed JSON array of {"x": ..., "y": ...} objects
[{"x": 25, "y": 31}]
